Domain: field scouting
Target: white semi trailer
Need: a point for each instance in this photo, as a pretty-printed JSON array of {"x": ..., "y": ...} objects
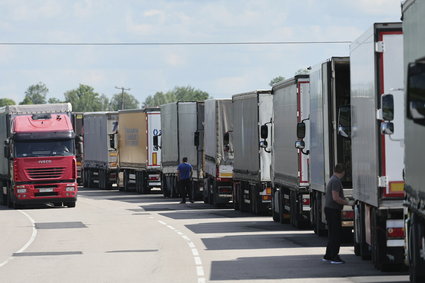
[
  {"x": 330, "y": 141},
  {"x": 100, "y": 149},
  {"x": 376, "y": 68},
  {"x": 414, "y": 74},
  {"x": 252, "y": 116},
  {"x": 139, "y": 160},
  {"x": 289, "y": 166},
  {"x": 182, "y": 133},
  {"x": 218, "y": 150}
]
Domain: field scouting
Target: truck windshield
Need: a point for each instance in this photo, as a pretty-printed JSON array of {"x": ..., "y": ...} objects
[{"x": 44, "y": 148}]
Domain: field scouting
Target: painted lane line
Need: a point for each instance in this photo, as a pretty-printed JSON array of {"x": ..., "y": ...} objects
[
  {"x": 200, "y": 271},
  {"x": 198, "y": 260},
  {"x": 186, "y": 238},
  {"x": 195, "y": 252},
  {"x": 30, "y": 241}
]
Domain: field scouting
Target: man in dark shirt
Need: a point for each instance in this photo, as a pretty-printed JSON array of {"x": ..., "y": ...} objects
[
  {"x": 334, "y": 203},
  {"x": 184, "y": 179}
]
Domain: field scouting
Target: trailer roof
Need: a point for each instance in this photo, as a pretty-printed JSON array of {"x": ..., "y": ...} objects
[{"x": 37, "y": 108}]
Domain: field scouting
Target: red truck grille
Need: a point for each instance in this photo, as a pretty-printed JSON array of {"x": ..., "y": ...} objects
[{"x": 45, "y": 173}]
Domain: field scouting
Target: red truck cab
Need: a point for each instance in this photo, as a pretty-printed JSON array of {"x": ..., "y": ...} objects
[{"x": 42, "y": 162}]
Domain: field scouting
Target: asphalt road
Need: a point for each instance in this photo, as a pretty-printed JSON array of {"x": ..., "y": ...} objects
[{"x": 111, "y": 236}]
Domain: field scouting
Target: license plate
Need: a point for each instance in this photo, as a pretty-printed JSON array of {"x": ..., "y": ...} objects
[{"x": 46, "y": 190}]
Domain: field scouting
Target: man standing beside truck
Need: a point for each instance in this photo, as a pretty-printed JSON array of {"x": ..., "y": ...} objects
[
  {"x": 335, "y": 201},
  {"x": 184, "y": 179}
]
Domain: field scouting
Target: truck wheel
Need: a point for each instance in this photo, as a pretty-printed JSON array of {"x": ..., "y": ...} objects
[
  {"x": 70, "y": 204},
  {"x": 416, "y": 263},
  {"x": 378, "y": 241}
]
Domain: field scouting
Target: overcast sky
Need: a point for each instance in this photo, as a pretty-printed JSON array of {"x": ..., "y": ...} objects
[{"x": 219, "y": 70}]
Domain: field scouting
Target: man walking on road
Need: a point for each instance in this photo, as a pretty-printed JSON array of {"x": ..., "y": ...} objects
[
  {"x": 184, "y": 177},
  {"x": 334, "y": 203}
]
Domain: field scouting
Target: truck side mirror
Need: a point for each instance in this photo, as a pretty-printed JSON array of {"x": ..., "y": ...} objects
[
  {"x": 416, "y": 92},
  {"x": 156, "y": 142},
  {"x": 387, "y": 128},
  {"x": 6, "y": 150},
  {"x": 112, "y": 141},
  {"x": 196, "y": 139},
  {"x": 387, "y": 106},
  {"x": 344, "y": 121},
  {"x": 301, "y": 130},
  {"x": 300, "y": 144},
  {"x": 264, "y": 131}
]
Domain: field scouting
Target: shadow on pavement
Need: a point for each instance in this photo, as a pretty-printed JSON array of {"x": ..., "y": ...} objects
[
  {"x": 267, "y": 241},
  {"x": 238, "y": 227},
  {"x": 292, "y": 267}
]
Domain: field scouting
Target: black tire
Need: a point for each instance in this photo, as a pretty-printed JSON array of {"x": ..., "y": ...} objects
[
  {"x": 416, "y": 263},
  {"x": 70, "y": 204},
  {"x": 356, "y": 248}
]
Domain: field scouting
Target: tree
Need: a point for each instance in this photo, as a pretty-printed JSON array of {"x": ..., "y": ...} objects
[
  {"x": 276, "y": 80},
  {"x": 305, "y": 71},
  {"x": 130, "y": 102},
  {"x": 35, "y": 94},
  {"x": 84, "y": 99},
  {"x": 104, "y": 103},
  {"x": 187, "y": 93},
  {"x": 6, "y": 101},
  {"x": 53, "y": 100}
]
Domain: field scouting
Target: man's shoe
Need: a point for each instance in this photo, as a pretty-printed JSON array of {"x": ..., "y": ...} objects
[
  {"x": 191, "y": 201},
  {"x": 182, "y": 202},
  {"x": 337, "y": 260},
  {"x": 326, "y": 259}
]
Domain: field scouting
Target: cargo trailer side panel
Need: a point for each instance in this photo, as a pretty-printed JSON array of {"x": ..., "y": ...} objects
[
  {"x": 414, "y": 42},
  {"x": 153, "y": 129},
  {"x": 285, "y": 156},
  {"x": 4, "y": 134},
  {"x": 363, "y": 114},
  {"x": 169, "y": 138},
  {"x": 187, "y": 118},
  {"x": 132, "y": 139},
  {"x": 211, "y": 136},
  {"x": 317, "y": 137},
  {"x": 245, "y": 133},
  {"x": 265, "y": 113},
  {"x": 95, "y": 140}
]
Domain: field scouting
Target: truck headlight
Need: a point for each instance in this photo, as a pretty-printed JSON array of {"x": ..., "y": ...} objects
[
  {"x": 21, "y": 191},
  {"x": 70, "y": 189}
]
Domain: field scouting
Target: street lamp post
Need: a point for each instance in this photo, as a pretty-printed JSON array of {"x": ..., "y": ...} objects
[{"x": 122, "y": 95}]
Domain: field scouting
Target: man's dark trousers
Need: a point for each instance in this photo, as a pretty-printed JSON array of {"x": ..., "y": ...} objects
[
  {"x": 333, "y": 218},
  {"x": 186, "y": 189}
]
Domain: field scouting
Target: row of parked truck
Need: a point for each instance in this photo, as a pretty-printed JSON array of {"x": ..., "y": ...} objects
[{"x": 269, "y": 151}]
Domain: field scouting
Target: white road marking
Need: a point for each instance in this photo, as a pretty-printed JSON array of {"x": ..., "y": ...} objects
[
  {"x": 30, "y": 241},
  {"x": 195, "y": 252},
  {"x": 198, "y": 262}
]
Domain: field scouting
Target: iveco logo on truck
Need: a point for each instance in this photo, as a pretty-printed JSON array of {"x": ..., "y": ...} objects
[{"x": 44, "y": 161}]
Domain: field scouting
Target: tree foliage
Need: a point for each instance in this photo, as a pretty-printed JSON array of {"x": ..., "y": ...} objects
[
  {"x": 302, "y": 72},
  {"x": 130, "y": 102},
  {"x": 276, "y": 80},
  {"x": 53, "y": 100},
  {"x": 187, "y": 93},
  {"x": 35, "y": 94},
  {"x": 6, "y": 101},
  {"x": 85, "y": 99}
]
